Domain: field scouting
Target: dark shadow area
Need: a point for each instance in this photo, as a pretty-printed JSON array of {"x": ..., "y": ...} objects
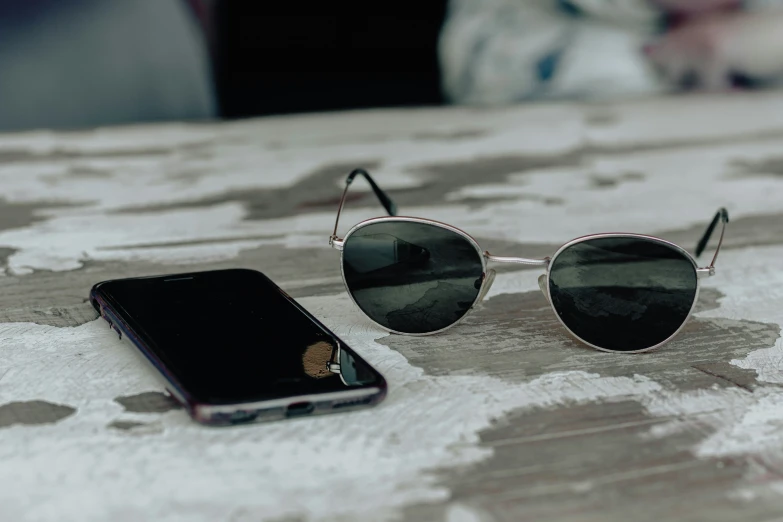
[{"x": 306, "y": 55}]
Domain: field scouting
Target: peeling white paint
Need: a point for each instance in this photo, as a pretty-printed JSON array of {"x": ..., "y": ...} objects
[
  {"x": 176, "y": 469},
  {"x": 463, "y": 513},
  {"x": 94, "y": 473},
  {"x": 196, "y": 162},
  {"x": 735, "y": 422},
  {"x": 630, "y": 206},
  {"x": 752, "y": 282}
]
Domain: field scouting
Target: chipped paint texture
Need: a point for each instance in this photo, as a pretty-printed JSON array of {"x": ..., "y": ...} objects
[
  {"x": 268, "y": 462},
  {"x": 736, "y": 422},
  {"x": 174, "y": 197},
  {"x": 193, "y": 162}
]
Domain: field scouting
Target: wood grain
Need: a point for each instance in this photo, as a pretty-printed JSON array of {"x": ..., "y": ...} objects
[{"x": 503, "y": 418}]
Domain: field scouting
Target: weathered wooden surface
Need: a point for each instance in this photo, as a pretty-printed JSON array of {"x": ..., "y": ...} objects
[{"x": 502, "y": 418}]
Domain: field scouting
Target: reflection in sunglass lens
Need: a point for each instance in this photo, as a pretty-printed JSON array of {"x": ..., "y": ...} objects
[
  {"x": 412, "y": 277},
  {"x": 622, "y": 293}
]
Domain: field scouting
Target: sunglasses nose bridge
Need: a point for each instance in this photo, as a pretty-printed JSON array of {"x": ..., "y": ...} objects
[
  {"x": 542, "y": 280},
  {"x": 517, "y": 260}
]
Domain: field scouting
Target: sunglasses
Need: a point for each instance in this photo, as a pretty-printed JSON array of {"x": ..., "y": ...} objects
[{"x": 614, "y": 292}]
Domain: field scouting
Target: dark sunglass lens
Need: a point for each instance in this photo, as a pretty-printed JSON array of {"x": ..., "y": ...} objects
[
  {"x": 412, "y": 277},
  {"x": 622, "y": 293}
]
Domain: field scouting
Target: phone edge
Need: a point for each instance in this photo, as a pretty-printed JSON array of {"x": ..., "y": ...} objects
[{"x": 243, "y": 413}]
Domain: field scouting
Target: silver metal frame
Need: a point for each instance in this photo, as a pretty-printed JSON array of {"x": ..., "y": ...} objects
[{"x": 488, "y": 275}]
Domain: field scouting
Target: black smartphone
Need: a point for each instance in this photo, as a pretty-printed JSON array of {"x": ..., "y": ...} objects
[{"x": 233, "y": 347}]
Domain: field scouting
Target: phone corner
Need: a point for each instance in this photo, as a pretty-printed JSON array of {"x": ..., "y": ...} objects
[
  {"x": 96, "y": 290},
  {"x": 380, "y": 396},
  {"x": 94, "y": 298},
  {"x": 202, "y": 414}
]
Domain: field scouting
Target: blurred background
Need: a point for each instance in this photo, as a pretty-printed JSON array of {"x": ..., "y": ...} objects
[
  {"x": 77, "y": 63},
  {"x": 307, "y": 55},
  {"x": 82, "y": 63}
]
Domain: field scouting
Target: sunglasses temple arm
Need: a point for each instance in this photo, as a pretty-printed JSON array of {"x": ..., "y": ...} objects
[
  {"x": 382, "y": 196},
  {"x": 722, "y": 216}
]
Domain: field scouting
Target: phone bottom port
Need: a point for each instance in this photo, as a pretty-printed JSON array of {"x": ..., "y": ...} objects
[{"x": 299, "y": 408}]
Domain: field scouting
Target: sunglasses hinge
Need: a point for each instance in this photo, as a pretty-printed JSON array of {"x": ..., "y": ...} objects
[
  {"x": 705, "y": 272},
  {"x": 336, "y": 243}
]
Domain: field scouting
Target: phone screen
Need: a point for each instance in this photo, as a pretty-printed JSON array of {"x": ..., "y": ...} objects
[{"x": 232, "y": 336}]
